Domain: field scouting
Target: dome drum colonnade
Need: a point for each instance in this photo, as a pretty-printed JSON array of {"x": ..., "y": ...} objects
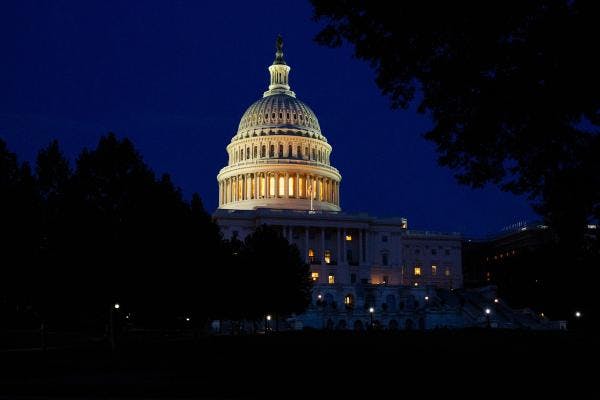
[{"x": 279, "y": 158}]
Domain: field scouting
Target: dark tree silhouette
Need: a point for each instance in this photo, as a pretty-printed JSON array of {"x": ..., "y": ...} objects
[
  {"x": 511, "y": 87},
  {"x": 264, "y": 275},
  {"x": 19, "y": 234}
]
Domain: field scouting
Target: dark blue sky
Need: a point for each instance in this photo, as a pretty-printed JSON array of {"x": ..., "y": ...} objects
[{"x": 176, "y": 76}]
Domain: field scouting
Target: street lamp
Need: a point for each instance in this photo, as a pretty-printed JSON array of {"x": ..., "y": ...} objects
[
  {"x": 371, "y": 311},
  {"x": 111, "y": 325},
  {"x": 496, "y": 300},
  {"x": 426, "y": 298},
  {"x": 267, "y": 319},
  {"x": 577, "y": 314},
  {"x": 487, "y": 317}
]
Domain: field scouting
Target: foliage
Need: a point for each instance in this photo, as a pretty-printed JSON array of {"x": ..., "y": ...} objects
[
  {"x": 74, "y": 241},
  {"x": 511, "y": 87}
]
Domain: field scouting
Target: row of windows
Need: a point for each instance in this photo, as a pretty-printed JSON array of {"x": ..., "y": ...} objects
[
  {"x": 277, "y": 116},
  {"x": 417, "y": 272},
  {"x": 307, "y": 153},
  {"x": 434, "y": 252}
]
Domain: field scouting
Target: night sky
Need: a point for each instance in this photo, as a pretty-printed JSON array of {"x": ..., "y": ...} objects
[{"x": 176, "y": 77}]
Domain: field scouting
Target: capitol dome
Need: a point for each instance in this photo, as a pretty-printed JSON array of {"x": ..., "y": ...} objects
[
  {"x": 279, "y": 158},
  {"x": 278, "y": 113}
]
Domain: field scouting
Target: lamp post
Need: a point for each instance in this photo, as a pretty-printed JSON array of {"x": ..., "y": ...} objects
[
  {"x": 111, "y": 327},
  {"x": 371, "y": 311},
  {"x": 487, "y": 317},
  {"x": 267, "y": 319}
]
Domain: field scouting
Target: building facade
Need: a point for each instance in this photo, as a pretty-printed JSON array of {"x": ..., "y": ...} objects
[{"x": 366, "y": 270}]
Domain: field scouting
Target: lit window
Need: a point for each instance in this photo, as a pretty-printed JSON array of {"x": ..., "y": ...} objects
[
  {"x": 314, "y": 276},
  {"x": 348, "y": 300},
  {"x": 348, "y": 238},
  {"x": 434, "y": 270},
  {"x": 331, "y": 279},
  {"x": 447, "y": 272},
  {"x": 417, "y": 271},
  {"x": 327, "y": 256},
  {"x": 311, "y": 256}
]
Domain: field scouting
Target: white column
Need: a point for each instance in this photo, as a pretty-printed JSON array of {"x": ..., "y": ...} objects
[
  {"x": 297, "y": 186},
  {"x": 344, "y": 244},
  {"x": 267, "y": 185},
  {"x": 256, "y": 183},
  {"x": 360, "y": 249},
  {"x": 220, "y": 193},
  {"x": 306, "y": 243},
  {"x": 322, "y": 255},
  {"x": 367, "y": 236},
  {"x": 286, "y": 185},
  {"x": 339, "y": 250},
  {"x": 276, "y": 184}
]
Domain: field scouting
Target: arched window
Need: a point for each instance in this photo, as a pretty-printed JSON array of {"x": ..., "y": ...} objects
[
  {"x": 281, "y": 185},
  {"x": 289, "y": 151},
  {"x": 280, "y": 155},
  {"x": 263, "y": 151},
  {"x": 291, "y": 186},
  {"x": 272, "y": 186},
  {"x": 301, "y": 186},
  {"x": 271, "y": 151},
  {"x": 384, "y": 259},
  {"x": 299, "y": 152},
  {"x": 255, "y": 150},
  {"x": 247, "y": 153}
]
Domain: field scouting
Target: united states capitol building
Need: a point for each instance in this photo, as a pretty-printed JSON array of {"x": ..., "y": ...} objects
[{"x": 366, "y": 270}]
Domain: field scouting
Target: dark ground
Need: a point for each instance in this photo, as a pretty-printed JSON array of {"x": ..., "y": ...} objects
[{"x": 289, "y": 365}]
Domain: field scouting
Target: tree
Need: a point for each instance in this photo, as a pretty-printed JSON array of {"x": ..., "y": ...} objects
[
  {"x": 510, "y": 86},
  {"x": 19, "y": 234},
  {"x": 283, "y": 284},
  {"x": 265, "y": 275}
]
